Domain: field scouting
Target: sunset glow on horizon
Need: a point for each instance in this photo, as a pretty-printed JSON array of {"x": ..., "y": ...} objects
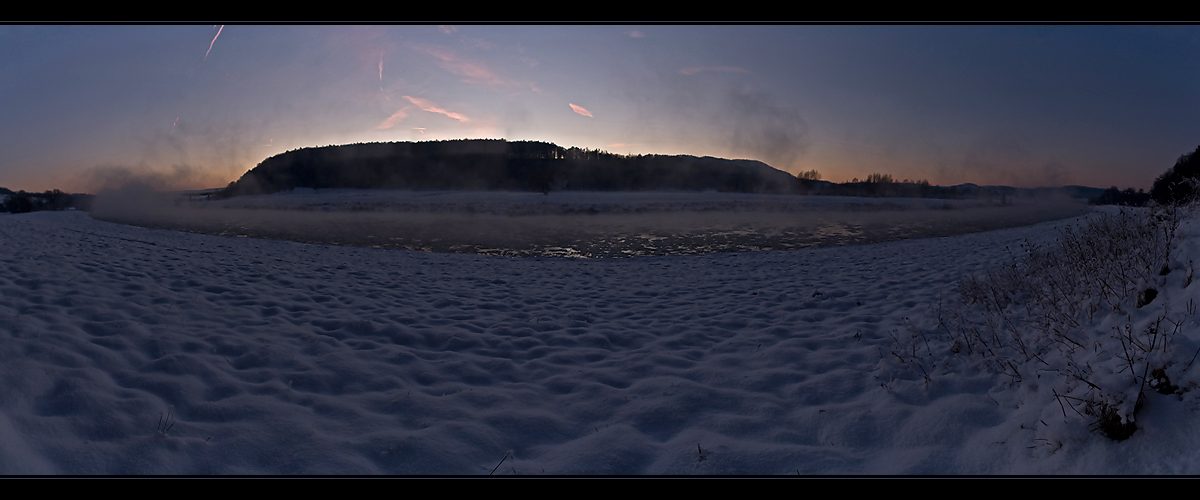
[{"x": 193, "y": 106}]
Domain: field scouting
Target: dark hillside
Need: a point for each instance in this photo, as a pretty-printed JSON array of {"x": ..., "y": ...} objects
[{"x": 502, "y": 165}]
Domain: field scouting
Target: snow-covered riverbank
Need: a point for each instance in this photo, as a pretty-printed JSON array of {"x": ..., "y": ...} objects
[{"x": 126, "y": 350}]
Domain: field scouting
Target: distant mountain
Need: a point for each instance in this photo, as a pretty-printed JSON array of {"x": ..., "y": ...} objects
[{"x": 502, "y": 165}]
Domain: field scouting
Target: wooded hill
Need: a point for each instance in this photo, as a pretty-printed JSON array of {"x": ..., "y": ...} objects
[{"x": 502, "y": 165}]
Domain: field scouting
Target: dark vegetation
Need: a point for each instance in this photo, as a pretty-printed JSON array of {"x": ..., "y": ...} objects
[
  {"x": 1179, "y": 184},
  {"x": 1037, "y": 314},
  {"x": 1040, "y": 314},
  {"x": 1176, "y": 186},
  {"x": 1128, "y": 197},
  {"x": 502, "y": 165},
  {"x": 543, "y": 167},
  {"x": 883, "y": 185},
  {"x": 21, "y": 202}
]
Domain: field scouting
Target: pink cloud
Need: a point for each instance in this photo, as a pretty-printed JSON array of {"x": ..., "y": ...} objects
[
  {"x": 448, "y": 29},
  {"x": 636, "y": 34},
  {"x": 394, "y": 119},
  {"x": 580, "y": 110},
  {"x": 426, "y": 105},
  {"x": 471, "y": 71},
  {"x": 691, "y": 70}
]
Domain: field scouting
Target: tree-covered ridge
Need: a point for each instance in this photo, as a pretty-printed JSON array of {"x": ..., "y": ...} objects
[{"x": 502, "y": 165}]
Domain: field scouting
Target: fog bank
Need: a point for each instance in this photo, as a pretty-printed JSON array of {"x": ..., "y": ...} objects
[{"x": 579, "y": 224}]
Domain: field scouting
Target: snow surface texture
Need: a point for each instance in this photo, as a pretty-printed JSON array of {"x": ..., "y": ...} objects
[{"x": 126, "y": 350}]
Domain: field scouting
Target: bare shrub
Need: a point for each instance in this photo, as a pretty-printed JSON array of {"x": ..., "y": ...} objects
[
  {"x": 1038, "y": 314},
  {"x": 913, "y": 349}
]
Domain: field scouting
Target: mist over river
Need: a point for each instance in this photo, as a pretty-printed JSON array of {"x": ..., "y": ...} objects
[{"x": 580, "y": 224}]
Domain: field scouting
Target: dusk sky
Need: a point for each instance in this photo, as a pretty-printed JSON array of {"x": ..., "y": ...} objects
[{"x": 196, "y": 106}]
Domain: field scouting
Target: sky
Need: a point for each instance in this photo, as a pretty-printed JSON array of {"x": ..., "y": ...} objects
[{"x": 83, "y": 108}]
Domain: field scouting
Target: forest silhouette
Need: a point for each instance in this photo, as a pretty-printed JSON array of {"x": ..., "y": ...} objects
[{"x": 503, "y": 165}]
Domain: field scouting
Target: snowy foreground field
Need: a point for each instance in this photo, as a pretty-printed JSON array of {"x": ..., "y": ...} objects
[{"x": 126, "y": 350}]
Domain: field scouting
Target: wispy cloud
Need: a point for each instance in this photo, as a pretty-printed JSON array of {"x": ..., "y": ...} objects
[
  {"x": 636, "y": 34},
  {"x": 396, "y": 117},
  {"x": 691, "y": 70},
  {"x": 214, "y": 40},
  {"x": 471, "y": 71},
  {"x": 426, "y": 105},
  {"x": 448, "y": 29},
  {"x": 580, "y": 110}
]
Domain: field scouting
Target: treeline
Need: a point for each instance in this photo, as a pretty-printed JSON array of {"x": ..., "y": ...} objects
[
  {"x": 1178, "y": 185},
  {"x": 22, "y": 202},
  {"x": 502, "y": 165},
  {"x": 884, "y": 185},
  {"x": 1128, "y": 197},
  {"x": 875, "y": 185}
]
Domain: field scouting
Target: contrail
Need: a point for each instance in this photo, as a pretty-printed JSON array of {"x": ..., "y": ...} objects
[
  {"x": 426, "y": 105},
  {"x": 394, "y": 119},
  {"x": 381, "y": 74},
  {"x": 173, "y": 126},
  {"x": 214, "y": 40}
]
